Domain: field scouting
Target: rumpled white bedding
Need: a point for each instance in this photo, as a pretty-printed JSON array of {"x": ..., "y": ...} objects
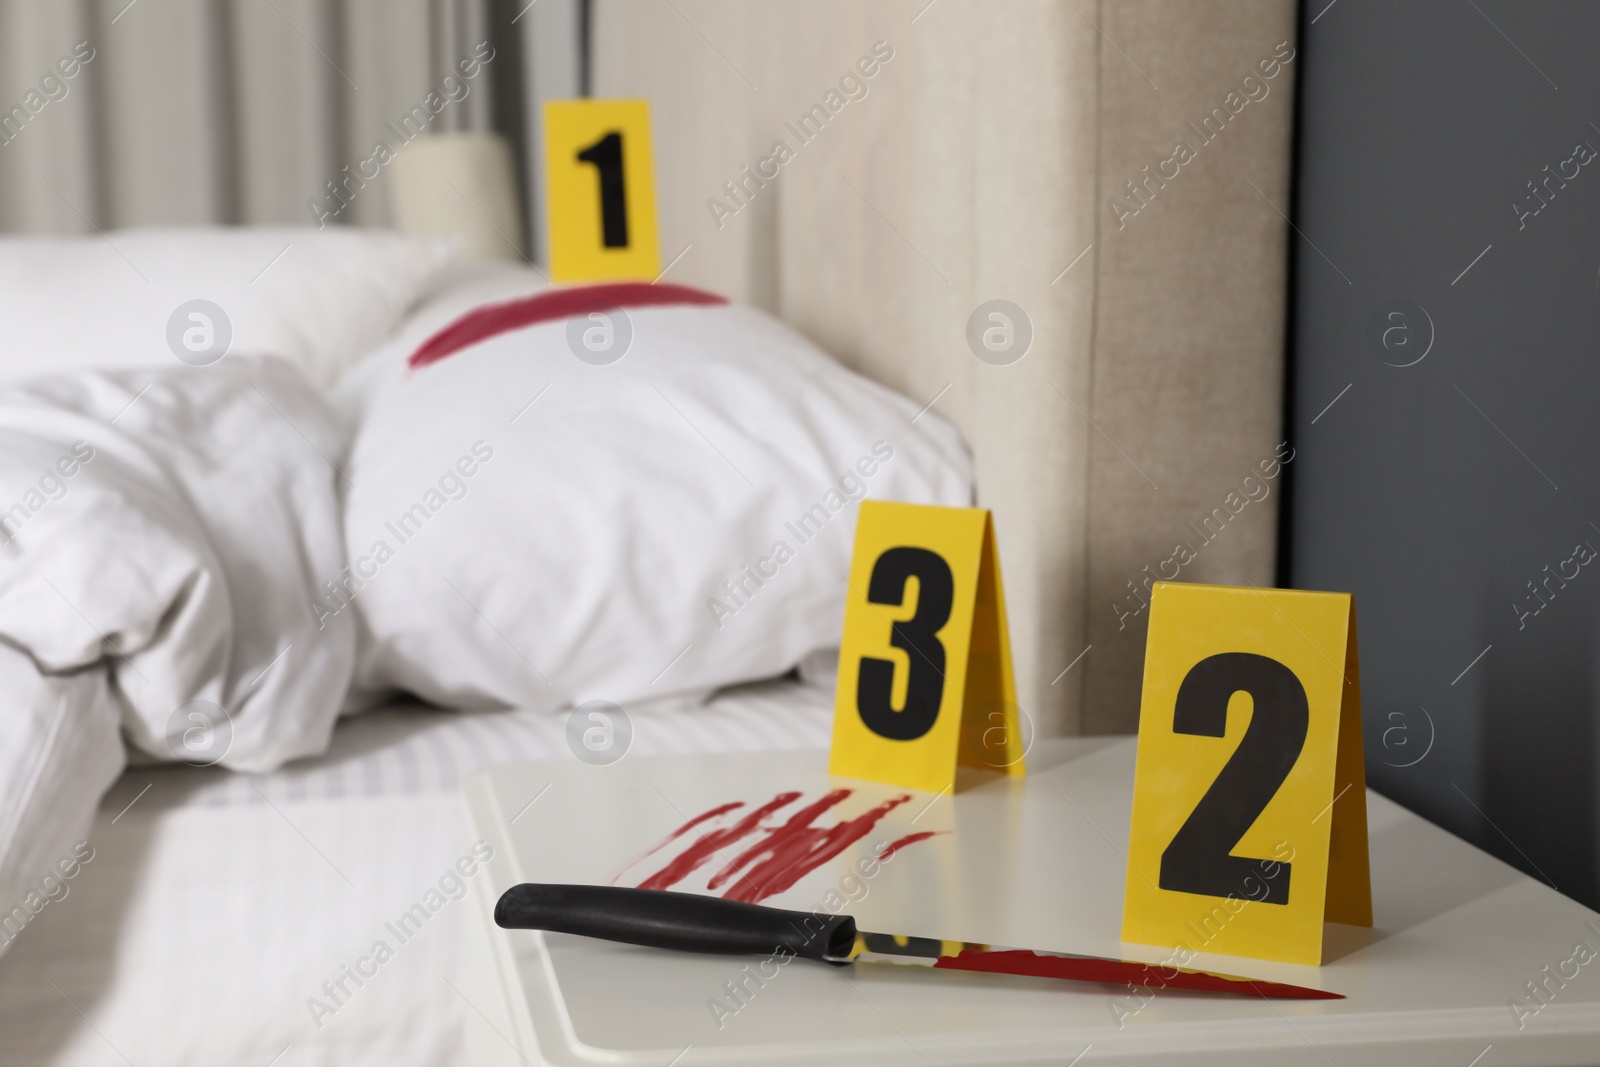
[
  {"x": 162, "y": 534},
  {"x": 164, "y": 538},
  {"x": 217, "y": 904}
]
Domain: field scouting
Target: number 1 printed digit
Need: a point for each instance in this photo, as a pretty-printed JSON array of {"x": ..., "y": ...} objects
[{"x": 606, "y": 155}]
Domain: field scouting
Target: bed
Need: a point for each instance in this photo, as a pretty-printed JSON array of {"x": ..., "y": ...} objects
[
  {"x": 236, "y": 855},
  {"x": 216, "y": 905},
  {"x": 225, "y": 915}
]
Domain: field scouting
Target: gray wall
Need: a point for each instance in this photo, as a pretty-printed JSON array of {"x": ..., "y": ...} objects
[{"x": 1437, "y": 492}]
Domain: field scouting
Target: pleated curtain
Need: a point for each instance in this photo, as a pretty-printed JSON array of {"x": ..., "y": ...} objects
[{"x": 242, "y": 111}]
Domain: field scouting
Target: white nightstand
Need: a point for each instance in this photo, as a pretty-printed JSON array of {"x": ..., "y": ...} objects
[{"x": 1035, "y": 863}]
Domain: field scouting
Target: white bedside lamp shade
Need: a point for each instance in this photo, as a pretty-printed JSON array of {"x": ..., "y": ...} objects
[{"x": 460, "y": 185}]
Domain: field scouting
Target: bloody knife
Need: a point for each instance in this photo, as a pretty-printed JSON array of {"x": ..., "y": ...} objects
[{"x": 689, "y": 922}]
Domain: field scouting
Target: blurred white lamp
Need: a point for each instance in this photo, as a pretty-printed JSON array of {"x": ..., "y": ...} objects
[{"x": 460, "y": 185}]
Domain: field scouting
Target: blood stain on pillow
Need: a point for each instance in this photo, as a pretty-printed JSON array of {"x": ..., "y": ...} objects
[{"x": 488, "y": 321}]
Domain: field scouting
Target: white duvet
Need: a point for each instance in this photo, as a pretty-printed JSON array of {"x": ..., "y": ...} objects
[
  {"x": 174, "y": 573},
  {"x": 162, "y": 535}
]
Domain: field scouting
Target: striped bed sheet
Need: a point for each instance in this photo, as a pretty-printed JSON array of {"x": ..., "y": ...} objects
[{"x": 217, "y": 909}]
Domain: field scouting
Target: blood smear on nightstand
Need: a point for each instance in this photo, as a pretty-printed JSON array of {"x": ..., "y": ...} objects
[{"x": 773, "y": 858}]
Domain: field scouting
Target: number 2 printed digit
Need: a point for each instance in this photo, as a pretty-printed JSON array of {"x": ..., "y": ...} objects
[
  {"x": 606, "y": 155},
  {"x": 918, "y": 636},
  {"x": 1199, "y": 859}
]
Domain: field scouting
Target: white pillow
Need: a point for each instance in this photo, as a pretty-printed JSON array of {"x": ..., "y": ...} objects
[
  {"x": 321, "y": 298},
  {"x": 531, "y": 529},
  {"x": 458, "y": 289}
]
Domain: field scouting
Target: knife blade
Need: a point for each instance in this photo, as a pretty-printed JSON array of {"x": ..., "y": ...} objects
[{"x": 690, "y": 922}]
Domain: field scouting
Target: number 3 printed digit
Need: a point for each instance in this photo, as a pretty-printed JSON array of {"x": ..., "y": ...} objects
[
  {"x": 1200, "y": 859},
  {"x": 916, "y": 635}
]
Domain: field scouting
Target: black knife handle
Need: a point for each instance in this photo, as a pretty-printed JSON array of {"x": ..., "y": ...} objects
[{"x": 687, "y": 922}]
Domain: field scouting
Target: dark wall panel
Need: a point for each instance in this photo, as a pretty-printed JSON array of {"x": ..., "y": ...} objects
[{"x": 1447, "y": 307}]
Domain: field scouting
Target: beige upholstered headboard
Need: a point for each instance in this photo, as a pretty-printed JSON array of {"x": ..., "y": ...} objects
[{"x": 988, "y": 157}]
